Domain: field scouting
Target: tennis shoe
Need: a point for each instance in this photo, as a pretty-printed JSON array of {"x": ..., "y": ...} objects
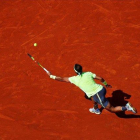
[
  {"x": 130, "y": 108},
  {"x": 96, "y": 111}
]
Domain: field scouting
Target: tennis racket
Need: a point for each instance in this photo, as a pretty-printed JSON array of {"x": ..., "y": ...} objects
[{"x": 38, "y": 63}]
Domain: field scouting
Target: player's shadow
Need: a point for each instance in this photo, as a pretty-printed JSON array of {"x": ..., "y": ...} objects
[{"x": 118, "y": 99}]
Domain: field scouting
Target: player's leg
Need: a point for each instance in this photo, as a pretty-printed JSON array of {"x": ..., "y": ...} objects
[
  {"x": 127, "y": 107},
  {"x": 107, "y": 105},
  {"x": 95, "y": 108},
  {"x": 103, "y": 101},
  {"x": 112, "y": 109},
  {"x": 95, "y": 104}
]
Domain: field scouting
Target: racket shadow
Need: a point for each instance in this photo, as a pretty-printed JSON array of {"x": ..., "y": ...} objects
[{"x": 119, "y": 99}]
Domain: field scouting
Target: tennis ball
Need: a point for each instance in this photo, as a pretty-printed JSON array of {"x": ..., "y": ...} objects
[{"x": 35, "y": 44}]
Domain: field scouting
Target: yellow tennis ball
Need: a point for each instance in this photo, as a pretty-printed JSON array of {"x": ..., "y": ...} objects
[{"x": 35, "y": 44}]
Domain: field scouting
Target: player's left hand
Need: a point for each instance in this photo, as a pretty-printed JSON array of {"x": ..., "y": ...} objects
[{"x": 108, "y": 86}]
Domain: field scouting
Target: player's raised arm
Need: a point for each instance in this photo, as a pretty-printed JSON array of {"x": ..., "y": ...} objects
[{"x": 103, "y": 81}]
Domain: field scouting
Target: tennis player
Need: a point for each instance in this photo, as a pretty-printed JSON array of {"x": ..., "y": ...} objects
[{"x": 96, "y": 92}]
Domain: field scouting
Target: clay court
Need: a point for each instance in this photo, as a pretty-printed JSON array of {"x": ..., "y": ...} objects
[{"x": 101, "y": 35}]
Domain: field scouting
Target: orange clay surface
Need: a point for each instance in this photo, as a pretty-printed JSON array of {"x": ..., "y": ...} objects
[{"x": 101, "y": 35}]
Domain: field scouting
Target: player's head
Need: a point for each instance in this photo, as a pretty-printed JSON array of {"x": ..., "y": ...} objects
[{"x": 78, "y": 69}]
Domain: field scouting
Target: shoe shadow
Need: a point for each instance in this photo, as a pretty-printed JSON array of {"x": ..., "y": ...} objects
[{"x": 118, "y": 99}]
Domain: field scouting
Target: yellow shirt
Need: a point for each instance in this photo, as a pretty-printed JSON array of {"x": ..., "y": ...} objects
[{"x": 86, "y": 82}]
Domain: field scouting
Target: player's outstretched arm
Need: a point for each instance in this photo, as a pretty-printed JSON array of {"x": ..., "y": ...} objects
[
  {"x": 103, "y": 81},
  {"x": 62, "y": 79}
]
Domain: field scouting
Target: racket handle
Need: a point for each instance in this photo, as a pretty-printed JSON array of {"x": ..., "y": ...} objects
[{"x": 46, "y": 70}]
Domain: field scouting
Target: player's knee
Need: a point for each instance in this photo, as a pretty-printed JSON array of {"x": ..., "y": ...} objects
[{"x": 110, "y": 108}]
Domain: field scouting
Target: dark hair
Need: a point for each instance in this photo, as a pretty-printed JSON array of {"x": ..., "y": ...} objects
[{"x": 78, "y": 69}]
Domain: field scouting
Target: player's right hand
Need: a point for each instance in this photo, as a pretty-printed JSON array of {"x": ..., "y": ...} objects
[{"x": 49, "y": 73}]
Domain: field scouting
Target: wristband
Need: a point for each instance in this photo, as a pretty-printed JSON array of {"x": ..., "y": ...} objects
[
  {"x": 105, "y": 83},
  {"x": 53, "y": 76}
]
